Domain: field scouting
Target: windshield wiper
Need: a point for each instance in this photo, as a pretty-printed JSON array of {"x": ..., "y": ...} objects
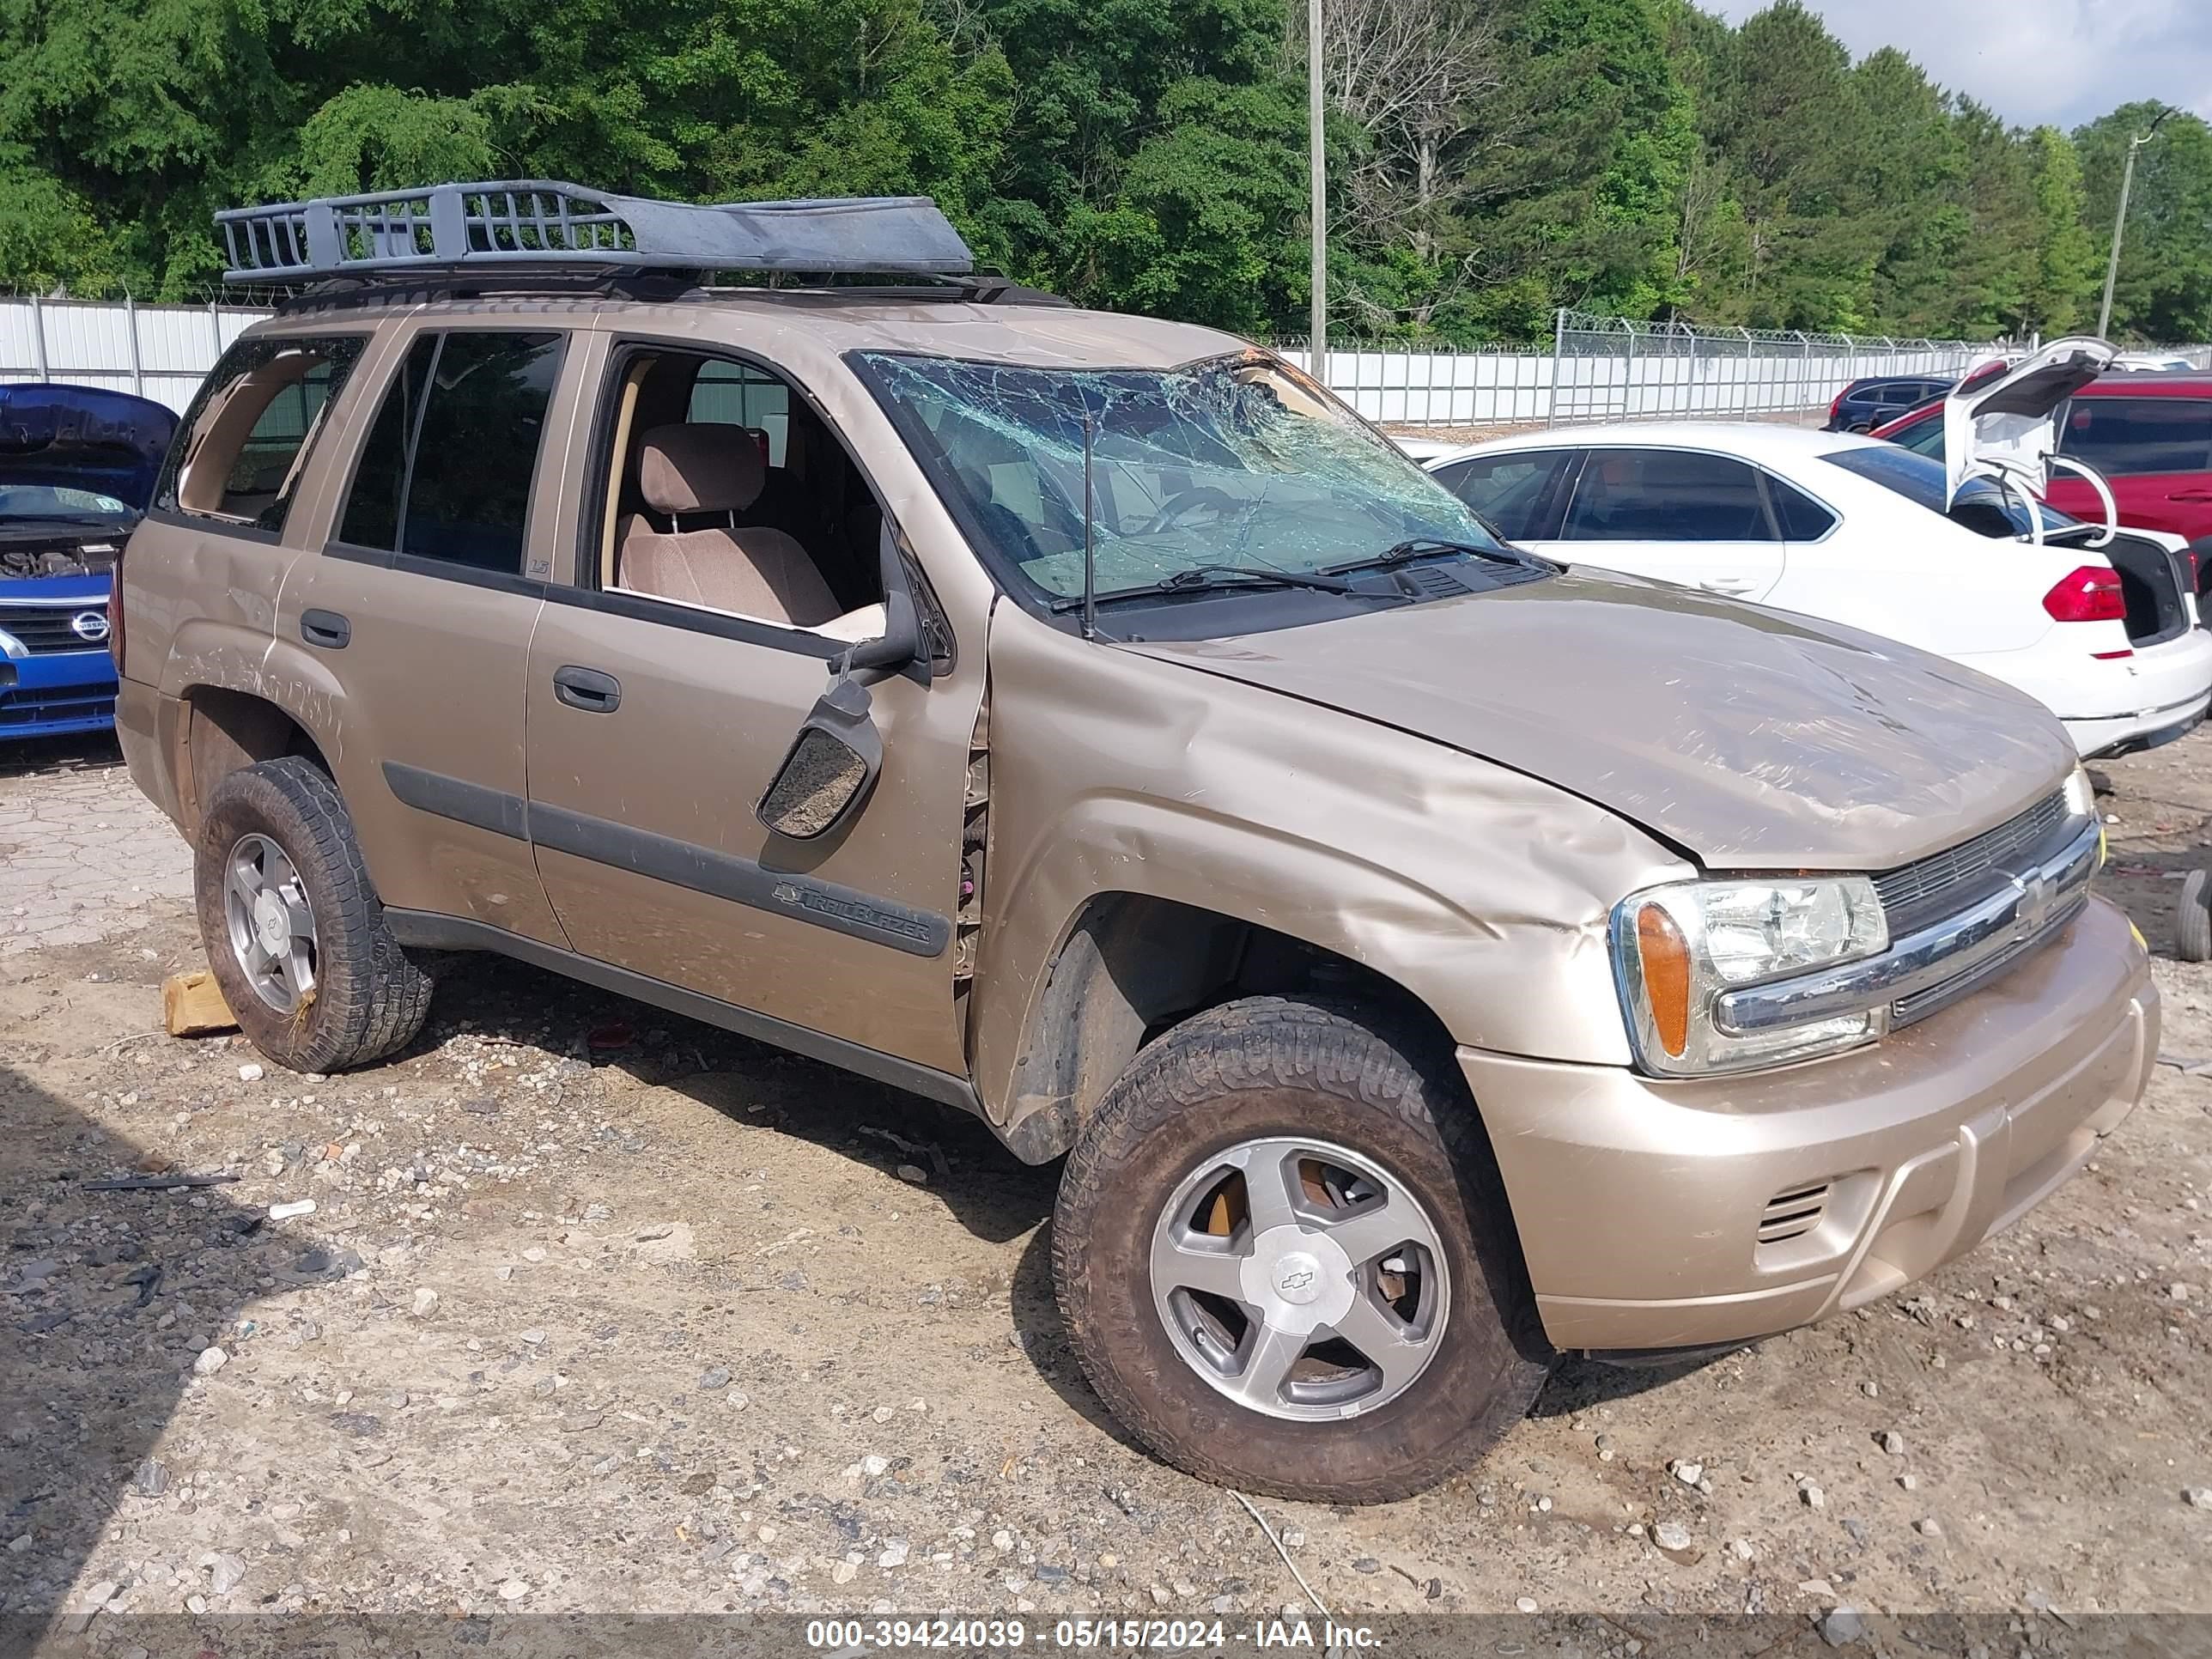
[
  {"x": 1421, "y": 547},
  {"x": 1221, "y": 578}
]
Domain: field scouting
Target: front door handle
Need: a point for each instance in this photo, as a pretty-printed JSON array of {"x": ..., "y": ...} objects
[
  {"x": 326, "y": 629},
  {"x": 2190, "y": 496},
  {"x": 1735, "y": 587},
  {"x": 587, "y": 688}
]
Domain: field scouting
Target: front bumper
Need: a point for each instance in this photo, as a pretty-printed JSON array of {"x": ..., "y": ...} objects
[
  {"x": 50, "y": 695},
  {"x": 1679, "y": 1214}
]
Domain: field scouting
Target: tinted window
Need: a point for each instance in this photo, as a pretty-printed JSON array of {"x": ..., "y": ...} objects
[
  {"x": 1895, "y": 466},
  {"x": 1983, "y": 505},
  {"x": 446, "y": 471},
  {"x": 1803, "y": 519},
  {"x": 732, "y": 394},
  {"x": 1507, "y": 490},
  {"x": 1924, "y": 439},
  {"x": 241, "y": 450},
  {"x": 1667, "y": 495},
  {"x": 380, "y": 478},
  {"x": 2140, "y": 435}
]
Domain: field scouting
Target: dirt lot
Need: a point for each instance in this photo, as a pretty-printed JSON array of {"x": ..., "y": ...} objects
[{"x": 601, "y": 1311}]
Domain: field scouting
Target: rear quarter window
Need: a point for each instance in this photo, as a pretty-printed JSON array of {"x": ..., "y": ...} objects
[
  {"x": 1801, "y": 517},
  {"x": 243, "y": 446}
]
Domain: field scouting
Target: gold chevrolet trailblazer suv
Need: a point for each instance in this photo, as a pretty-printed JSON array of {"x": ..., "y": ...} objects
[{"x": 1426, "y": 957}]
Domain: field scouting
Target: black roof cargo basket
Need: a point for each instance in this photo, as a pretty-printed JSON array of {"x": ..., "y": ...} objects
[{"x": 539, "y": 227}]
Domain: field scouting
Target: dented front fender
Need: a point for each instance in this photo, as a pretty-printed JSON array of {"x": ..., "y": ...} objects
[{"x": 1483, "y": 892}]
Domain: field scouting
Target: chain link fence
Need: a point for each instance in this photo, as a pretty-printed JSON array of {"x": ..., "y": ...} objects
[{"x": 1611, "y": 369}]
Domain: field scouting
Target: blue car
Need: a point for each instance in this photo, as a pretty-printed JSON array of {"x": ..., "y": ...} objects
[{"x": 77, "y": 466}]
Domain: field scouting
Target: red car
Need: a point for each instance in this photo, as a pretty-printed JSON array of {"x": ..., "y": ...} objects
[{"x": 2148, "y": 435}]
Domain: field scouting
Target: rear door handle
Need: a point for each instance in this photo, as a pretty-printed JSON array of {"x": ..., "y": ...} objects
[
  {"x": 2190, "y": 496},
  {"x": 326, "y": 629},
  {"x": 587, "y": 688}
]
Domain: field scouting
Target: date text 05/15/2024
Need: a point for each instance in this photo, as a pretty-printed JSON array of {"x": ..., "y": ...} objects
[{"x": 1197, "y": 1636}]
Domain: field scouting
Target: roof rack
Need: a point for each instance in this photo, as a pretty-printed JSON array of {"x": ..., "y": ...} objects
[{"x": 551, "y": 227}]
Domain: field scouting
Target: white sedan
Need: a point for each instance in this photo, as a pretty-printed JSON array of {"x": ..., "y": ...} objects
[{"x": 1852, "y": 529}]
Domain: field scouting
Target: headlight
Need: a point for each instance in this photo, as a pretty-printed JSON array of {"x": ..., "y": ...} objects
[
  {"x": 1676, "y": 949},
  {"x": 2081, "y": 795}
]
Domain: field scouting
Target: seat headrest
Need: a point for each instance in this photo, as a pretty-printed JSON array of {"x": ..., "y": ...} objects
[{"x": 700, "y": 467}]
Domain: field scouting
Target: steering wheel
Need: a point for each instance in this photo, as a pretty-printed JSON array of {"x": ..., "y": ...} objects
[{"x": 1188, "y": 500}]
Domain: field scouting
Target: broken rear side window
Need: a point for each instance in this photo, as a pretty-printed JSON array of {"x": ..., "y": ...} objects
[
  {"x": 243, "y": 446},
  {"x": 1231, "y": 461}
]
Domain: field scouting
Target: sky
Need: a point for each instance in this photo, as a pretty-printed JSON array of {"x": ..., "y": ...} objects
[{"x": 2031, "y": 61}]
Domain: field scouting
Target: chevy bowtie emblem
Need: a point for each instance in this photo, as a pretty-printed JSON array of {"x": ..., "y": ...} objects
[{"x": 2036, "y": 894}]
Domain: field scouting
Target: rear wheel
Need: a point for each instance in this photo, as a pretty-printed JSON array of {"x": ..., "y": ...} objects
[
  {"x": 1286, "y": 1260},
  {"x": 294, "y": 930}
]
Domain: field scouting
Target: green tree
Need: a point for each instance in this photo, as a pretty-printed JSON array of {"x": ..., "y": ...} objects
[
  {"x": 153, "y": 116},
  {"x": 2062, "y": 286},
  {"x": 1196, "y": 228},
  {"x": 1793, "y": 129},
  {"x": 1490, "y": 160},
  {"x": 2165, "y": 287}
]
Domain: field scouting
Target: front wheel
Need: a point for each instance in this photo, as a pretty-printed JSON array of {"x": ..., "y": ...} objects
[{"x": 1286, "y": 1260}]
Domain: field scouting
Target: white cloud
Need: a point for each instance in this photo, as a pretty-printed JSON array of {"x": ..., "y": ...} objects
[{"x": 2061, "y": 61}]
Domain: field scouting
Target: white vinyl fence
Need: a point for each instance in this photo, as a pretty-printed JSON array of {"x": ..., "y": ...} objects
[
  {"x": 1597, "y": 368},
  {"x": 160, "y": 352}
]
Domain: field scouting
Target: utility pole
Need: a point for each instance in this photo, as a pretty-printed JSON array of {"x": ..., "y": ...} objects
[
  {"x": 2120, "y": 219},
  {"x": 1317, "y": 162}
]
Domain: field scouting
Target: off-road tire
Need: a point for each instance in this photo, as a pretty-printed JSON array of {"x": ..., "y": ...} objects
[
  {"x": 2192, "y": 918},
  {"x": 1277, "y": 1066},
  {"x": 369, "y": 998}
]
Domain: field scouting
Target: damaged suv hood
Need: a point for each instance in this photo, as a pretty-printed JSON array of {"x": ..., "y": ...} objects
[{"x": 1755, "y": 739}]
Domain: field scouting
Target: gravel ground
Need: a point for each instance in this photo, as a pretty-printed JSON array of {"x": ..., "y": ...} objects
[{"x": 599, "y": 1311}]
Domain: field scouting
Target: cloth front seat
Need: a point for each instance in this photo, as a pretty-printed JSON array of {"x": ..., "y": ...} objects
[{"x": 751, "y": 570}]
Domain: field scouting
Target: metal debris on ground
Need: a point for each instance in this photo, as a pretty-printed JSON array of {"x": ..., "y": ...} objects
[
  {"x": 1260, "y": 1520},
  {"x": 152, "y": 1183}
]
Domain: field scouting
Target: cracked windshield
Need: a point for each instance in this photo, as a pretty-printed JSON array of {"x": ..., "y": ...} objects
[{"x": 1231, "y": 461}]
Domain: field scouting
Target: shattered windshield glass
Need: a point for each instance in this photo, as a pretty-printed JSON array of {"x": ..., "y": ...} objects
[{"x": 1229, "y": 461}]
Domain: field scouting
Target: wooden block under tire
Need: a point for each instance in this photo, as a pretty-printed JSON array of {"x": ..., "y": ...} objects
[{"x": 192, "y": 1004}]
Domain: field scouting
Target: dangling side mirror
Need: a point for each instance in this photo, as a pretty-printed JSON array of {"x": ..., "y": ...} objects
[
  {"x": 833, "y": 761},
  {"x": 830, "y": 768}
]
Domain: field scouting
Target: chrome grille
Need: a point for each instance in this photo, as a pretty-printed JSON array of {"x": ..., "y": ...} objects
[
  {"x": 46, "y": 629},
  {"x": 1926, "y": 879},
  {"x": 1921, "y": 1004}
]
